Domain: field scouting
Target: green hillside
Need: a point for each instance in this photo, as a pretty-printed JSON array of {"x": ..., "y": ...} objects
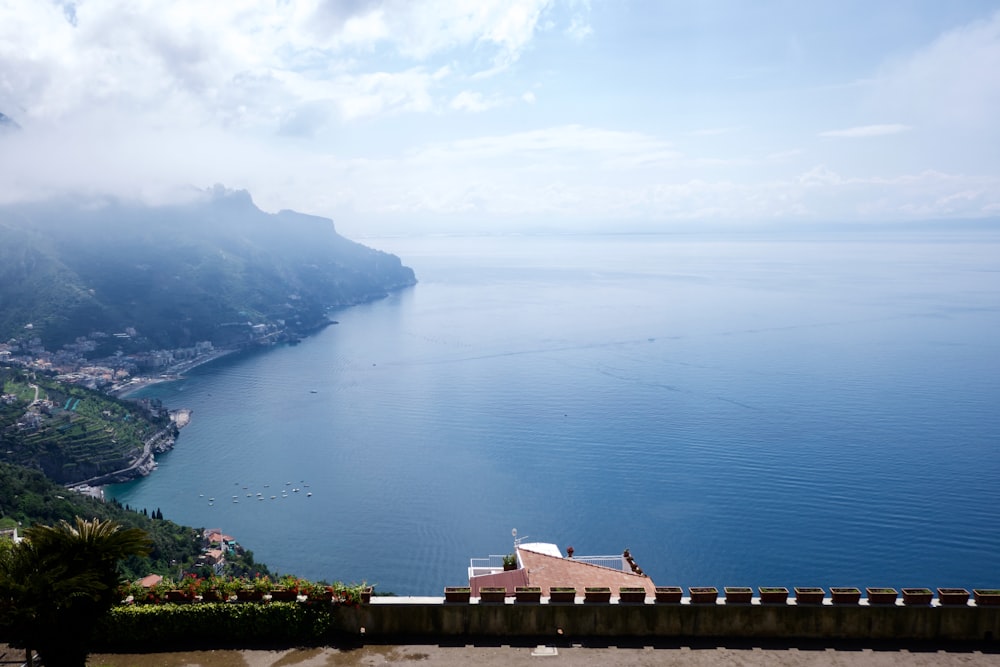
[
  {"x": 27, "y": 497},
  {"x": 70, "y": 433},
  {"x": 177, "y": 274}
]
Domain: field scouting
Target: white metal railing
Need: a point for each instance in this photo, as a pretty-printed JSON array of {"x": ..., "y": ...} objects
[
  {"x": 490, "y": 565},
  {"x": 613, "y": 562}
]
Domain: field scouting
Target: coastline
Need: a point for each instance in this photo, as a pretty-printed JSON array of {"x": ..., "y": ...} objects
[{"x": 175, "y": 372}]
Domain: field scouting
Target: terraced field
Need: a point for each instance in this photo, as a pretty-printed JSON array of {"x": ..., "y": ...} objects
[{"x": 72, "y": 433}]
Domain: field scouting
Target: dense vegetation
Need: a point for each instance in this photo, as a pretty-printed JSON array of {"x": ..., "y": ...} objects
[
  {"x": 73, "y": 434},
  {"x": 59, "y": 581},
  {"x": 28, "y": 498},
  {"x": 177, "y": 274}
]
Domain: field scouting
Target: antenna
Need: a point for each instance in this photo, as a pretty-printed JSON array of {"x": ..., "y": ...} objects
[{"x": 517, "y": 540}]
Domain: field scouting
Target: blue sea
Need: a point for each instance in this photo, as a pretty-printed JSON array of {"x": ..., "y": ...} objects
[{"x": 741, "y": 410}]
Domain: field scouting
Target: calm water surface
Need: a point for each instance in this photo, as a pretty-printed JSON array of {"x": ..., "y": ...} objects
[{"x": 759, "y": 411}]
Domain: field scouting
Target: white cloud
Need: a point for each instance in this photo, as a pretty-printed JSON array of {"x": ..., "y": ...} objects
[
  {"x": 214, "y": 59},
  {"x": 864, "y": 131},
  {"x": 952, "y": 82},
  {"x": 372, "y": 110},
  {"x": 468, "y": 100}
]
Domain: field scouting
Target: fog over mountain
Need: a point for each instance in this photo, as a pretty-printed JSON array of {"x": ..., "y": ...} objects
[
  {"x": 202, "y": 270},
  {"x": 493, "y": 116}
]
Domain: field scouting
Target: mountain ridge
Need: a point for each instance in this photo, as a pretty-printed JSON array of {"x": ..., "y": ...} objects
[{"x": 210, "y": 270}]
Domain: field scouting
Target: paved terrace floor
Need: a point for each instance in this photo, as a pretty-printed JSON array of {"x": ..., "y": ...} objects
[{"x": 488, "y": 655}]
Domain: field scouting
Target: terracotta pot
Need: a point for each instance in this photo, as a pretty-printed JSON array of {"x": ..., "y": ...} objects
[
  {"x": 845, "y": 595},
  {"x": 773, "y": 595},
  {"x": 488, "y": 594},
  {"x": 528, "y": 594},
  {"x": 668, "y": 594},
  {"x": 917, "y": 596},
  {"x": 986, "y": 597},
  {"x": 562, "y": 595},
  {"x": 457, "y": 594},
  {"x": 738, "y": 594},
  {"x": 597, "y": 594},
  {"x": 809, "y": 595},
  {"x": 881, "y": 595},
  {"x": 250, "y": 596},
  {"x": 704, "y": 594},
  {"x": 178, "y": 596},
  {"x": 953, "y": 596},
  {"x": 630, "y": 595}
]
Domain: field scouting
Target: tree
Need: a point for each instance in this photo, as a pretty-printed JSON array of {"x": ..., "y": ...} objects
[{"x": 58, "y": 582}]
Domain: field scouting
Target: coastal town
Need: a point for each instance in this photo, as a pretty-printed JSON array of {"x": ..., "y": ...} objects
[{"x": 129, "y": 367}]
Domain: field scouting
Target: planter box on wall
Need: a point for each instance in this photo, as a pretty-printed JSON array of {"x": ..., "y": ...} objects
[
  {"x": 597, "y": 594},
  {"x": 917, "y": 596},
  {"x": 704, "y": 594},
  {"x": 881, "y": 595},
  {"x": 631, "y": 594},
  {"x": 669, "y": 594},
  {"x": 562, "y": 594},
  {"x": 738, "y": 594},
  {"x": 987, "y": 597},
  {"x": 492, "y": 594},
  {"x": 529, "y": 594},
  {"x": 809, "y": 595},
  {"x": 845, "y": 595},
  {"x": 773, "y": 594},
  {"x": 457, "y": 594},
  {"x": 953, "y": 596},
  {"x": 284, "y": 595}
]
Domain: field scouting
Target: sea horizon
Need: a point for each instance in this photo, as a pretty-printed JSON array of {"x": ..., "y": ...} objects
[{"x": 773, "y": 410}]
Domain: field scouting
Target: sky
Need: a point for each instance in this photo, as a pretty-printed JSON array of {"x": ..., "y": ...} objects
[{"x": 414, "y": 116}]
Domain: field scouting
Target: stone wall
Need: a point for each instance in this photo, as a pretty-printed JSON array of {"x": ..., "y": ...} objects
[{"x": 433, "y": 620}]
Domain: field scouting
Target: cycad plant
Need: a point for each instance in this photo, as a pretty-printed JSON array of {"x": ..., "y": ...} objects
[{"x": 57, "y": 582}]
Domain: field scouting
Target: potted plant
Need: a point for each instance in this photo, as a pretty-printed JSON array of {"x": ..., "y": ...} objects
[
  {"x": 314, "y": 591},
  {"x": 365, "y": 594},
  {"x": 630, "y": 594},
  {"x": 131, "y": 592},
  {"x": 509, "y": 562},
  {"x": 229, "y": 588},
  {"x": 668, "y": 594},
  {"x": 917, "y": 596},
  {"x": 987, "y": 597},
  {"x": 531, "y": 594},
  {"x": 738, "y": 594},
  {"x": 492, "y": 594},
  {"x": 597, "y": 594},
  {"x": 953, "y": 596},
  {"x": 286, "y": 589},
  {"x": 809, "y": 595},
  {"x": 457, "y": 594},
  {"x": 703, "y": 594},
  {"x": 845, "y": 595},
  {"x": 773, "y": 594},
  {"x": 562, "y": 594},
  {"x": 210, "y": 589},
  {"x": 881, "y": 595},
  {"x": 253, "y": 590}
]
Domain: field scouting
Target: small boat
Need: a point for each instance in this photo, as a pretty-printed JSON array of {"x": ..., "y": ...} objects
[{"x": 309, "y": 495}]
